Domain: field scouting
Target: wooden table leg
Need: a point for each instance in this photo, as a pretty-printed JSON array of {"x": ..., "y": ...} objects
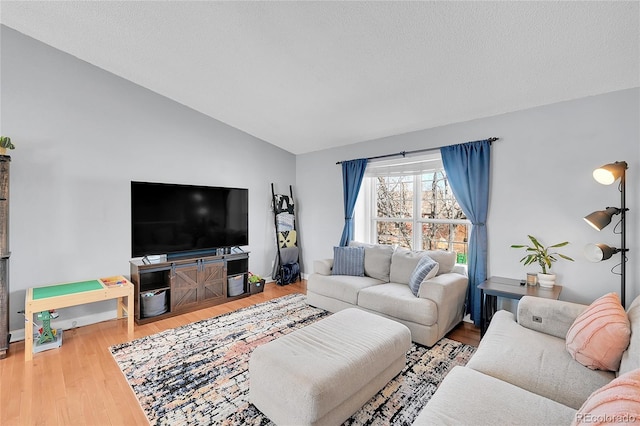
[
  {"x": 130, "y": 313},
  {"x": 28, "y": 330}
]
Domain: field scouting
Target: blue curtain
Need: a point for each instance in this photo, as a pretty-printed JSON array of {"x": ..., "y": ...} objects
[
  {"x": 467, "y": 168},
  {"x": 352, "y": 174}
]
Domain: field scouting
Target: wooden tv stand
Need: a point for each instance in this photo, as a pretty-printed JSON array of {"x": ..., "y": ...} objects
[{"x": 186, "y": 284}]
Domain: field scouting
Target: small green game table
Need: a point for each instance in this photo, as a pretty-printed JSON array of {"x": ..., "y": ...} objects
[{"x": 40, "y": 299}]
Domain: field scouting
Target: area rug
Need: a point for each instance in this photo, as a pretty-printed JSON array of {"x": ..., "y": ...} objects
[{"x": 198, "y": 373}]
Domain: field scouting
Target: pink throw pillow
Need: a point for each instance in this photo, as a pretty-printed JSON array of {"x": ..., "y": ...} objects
[
  {"x": 615, "y": 403},
  {"x": 599, "y": 335}
]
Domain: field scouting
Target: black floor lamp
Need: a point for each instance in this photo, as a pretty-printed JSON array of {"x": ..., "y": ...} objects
[{"x": 607, "y": 175}]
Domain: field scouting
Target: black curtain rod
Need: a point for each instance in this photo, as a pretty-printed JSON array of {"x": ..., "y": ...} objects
[{"x": 404, "y": 153}]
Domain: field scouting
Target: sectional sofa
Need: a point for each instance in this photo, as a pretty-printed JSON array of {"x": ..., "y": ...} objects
[
  {"x": 568, "y": 366},
  {"x": 382, "y": 286}
]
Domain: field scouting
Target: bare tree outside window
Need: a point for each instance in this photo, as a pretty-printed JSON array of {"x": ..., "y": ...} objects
[{"x": 431, "y": 210}]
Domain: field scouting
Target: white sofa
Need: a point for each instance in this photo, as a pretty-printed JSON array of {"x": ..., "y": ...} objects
[
  {"x": 384, "y": 290},
  {"x": 522, "y": 373}
]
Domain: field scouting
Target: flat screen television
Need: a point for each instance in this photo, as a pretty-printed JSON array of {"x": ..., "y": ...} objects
[{"x": 180, "y": 220}]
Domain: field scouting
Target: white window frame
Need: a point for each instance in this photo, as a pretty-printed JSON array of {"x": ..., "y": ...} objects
[{"x": 365, "y": 213}]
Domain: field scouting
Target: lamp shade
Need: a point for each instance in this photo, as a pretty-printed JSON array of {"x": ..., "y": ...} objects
[
  {"x": 601, "y": 218},
  {"x": 598, "y": 252},
  {"x": 609, "y": 173}
]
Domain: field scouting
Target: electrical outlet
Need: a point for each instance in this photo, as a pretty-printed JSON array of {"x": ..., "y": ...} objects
[{"x": 537, "y": 319}]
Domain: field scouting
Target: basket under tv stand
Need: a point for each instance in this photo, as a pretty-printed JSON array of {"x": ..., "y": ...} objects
[{"x": 183, "y": 284}]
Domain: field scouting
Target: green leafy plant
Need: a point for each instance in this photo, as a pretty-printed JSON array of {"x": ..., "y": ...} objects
[
  {"x": 253, "y": 278},
  {"x": 5, "y": 142},
  {"x": 543, "y": 256}
]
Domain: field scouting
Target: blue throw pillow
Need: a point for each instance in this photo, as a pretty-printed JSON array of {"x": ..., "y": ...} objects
[
  {"x": 348, "y": 261},
  {"x": 426, "y": 268}
]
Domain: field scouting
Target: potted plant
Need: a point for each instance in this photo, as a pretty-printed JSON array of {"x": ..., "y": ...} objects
[
  {"x": 5, "y": 143},
  {"x": 543, "y": 256},
  {"x": 256, "y": 283}
]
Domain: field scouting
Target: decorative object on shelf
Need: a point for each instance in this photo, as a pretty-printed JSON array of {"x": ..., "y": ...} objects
[
  {"x": 5, "y": 254},
  {"x": 532, "y": 278},
  {"x": 286, "y": 268},
  {"x": 606, "y": 175},
  {"x": 543, "y": 256},
  {"x": 5, "y": 143},
  {"x": 256, "y": 283}
]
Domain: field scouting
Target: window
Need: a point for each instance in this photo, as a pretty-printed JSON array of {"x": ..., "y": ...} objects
[{"x": 409, "y": 202}]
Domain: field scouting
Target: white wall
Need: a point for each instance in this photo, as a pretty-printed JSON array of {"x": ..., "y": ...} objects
[
  {"x": 541, "y": 184},
  {"x": 81, "y": 136}
]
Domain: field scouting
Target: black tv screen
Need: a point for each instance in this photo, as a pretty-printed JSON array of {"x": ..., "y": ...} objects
[{"x": 178, "y": 219}]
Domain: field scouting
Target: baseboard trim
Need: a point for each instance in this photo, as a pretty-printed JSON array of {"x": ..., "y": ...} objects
[{"x": 67, "y": 324}]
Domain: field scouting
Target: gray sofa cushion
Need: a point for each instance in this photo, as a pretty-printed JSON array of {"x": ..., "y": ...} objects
[
  {"x": 536, "y": 362},
  {"x": 446, "y": 260},
  {"x": 467, "y": 397},
  {"x": 377, "y": 259},
  {"x": 341, "y": 287},
  {"x": 404, "y": 261},
  {"x": 396, "y": 300}
]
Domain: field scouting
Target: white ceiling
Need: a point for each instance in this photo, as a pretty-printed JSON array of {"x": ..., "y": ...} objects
[{"x": 307, "y": 76}]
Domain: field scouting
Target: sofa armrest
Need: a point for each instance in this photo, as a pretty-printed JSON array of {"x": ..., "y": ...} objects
[
  {"x": 323, "y": 266},
  {"x": 460, "y": 269},
  {"x": 553, "y": 317},
  {"x": 449, "y": 292}
]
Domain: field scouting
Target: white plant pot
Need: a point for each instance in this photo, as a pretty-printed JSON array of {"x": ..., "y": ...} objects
[{"x": 546, "y": 280}]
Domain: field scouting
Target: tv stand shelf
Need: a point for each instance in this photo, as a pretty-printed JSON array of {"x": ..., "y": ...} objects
[{"x": 186, "y": 284}]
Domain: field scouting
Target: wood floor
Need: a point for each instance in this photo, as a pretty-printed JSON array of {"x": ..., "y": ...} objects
[{"x": 80, "y": 383}]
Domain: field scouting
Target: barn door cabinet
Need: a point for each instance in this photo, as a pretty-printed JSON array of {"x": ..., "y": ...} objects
[{"x": 185, "y": 284}]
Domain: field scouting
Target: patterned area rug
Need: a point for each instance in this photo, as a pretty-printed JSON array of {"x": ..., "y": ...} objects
[{"x": 198, "y": 373}]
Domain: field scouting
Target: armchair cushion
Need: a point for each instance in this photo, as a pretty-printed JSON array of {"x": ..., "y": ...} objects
[{"x": 600, "y": 334}]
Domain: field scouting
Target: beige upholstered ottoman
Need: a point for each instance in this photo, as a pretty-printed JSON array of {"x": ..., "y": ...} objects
[{"x": 325, "y": 372}]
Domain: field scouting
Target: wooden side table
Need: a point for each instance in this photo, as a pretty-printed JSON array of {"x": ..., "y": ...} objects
[{"x": 509, "y": 288}]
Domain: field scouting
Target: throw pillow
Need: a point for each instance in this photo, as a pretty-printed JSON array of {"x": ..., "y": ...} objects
[
  {"x": 348, "y": 261},
  {"x": 617, "y": 402},
  {"x": 287, "y": 239},
  {"x": 598, "y": 336},
  {"x": 425, "y": 269}
]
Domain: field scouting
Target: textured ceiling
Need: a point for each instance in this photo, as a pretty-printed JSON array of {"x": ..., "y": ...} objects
[{"x": 307, "y": 76}]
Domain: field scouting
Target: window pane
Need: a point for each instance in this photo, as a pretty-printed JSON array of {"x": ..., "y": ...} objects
[
  {"x": 446, "y": 236},
  {"x": 438, "y": 201},
  {"x": 460, "y": 242},
  {"x": 394, "y": 196},
  {"x": 399, "y": 233}
]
